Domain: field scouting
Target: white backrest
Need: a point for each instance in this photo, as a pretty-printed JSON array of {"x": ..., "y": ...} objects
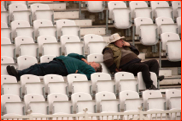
[
  {"x": 141, "y": 20},
  {"x": 44, "y": 14},
  {"x": 125, "y": 18},
  {"x": 96, "y": 47},
  {"x": 54, "y": 47},
  {"x": 163, "y": 20},
  {"x": 5, "y": 36},
  {"x": 74, "y": 47},
  {"x": 95, "y": 57},
  {"x": 70, "y": 30},
  {"x": 137, "y": 4},
  {"x": 63, "y": 22},
  {"x": 14, "y": 108},
  {"x": 4, "y": 25},
  {"x": 168, "y": 36},
  {"x": 172, "y": 93},
  {"x": 9, "y": 98},
  {"x": 81, "y": 105},
  {"x": 25, "y": 31},
  {"x": 175, "y": 103},
  {"x": 173, "y": 49},
  {"x": 7, "y": 60},
  {"x": 175, "y": 6},
  {"x": 33, "y": 98},
  {"x": 115, "y": 4},
  {"x": 25, "y": 61},
  {"x": 133, "y": 104},
  {"x": 52, "y": 78},
  {"x": 8, "y": 50},
  {"x": 4, "y": 17},
  {"x": 17, "y": 7},
  {"x": 47, "y": 30},
  {"x": 163, "y": 12},
  {"x": 112, "y": 107},
  {"x": 95, "y": 6},
  {"x": 143, "y": 12},
  {"x": 22, "y": 15},
  {"x": 178, "y": 21},
  {"x": 46, "y": 58},
  {"x": 104, "y": 96},
  {"x": 155, "y": 4},
  {"x": 8, "y": 79},
  {"x": 168, "y": 28},
  {"x": 98, "y": 76},
  {"x": 179, "y": 12}
]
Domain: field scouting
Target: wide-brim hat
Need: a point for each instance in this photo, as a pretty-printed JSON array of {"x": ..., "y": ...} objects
[{"x": 114, "y": 38}]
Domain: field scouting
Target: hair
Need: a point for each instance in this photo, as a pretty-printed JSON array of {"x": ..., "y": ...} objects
[{"x": 99, "y": 69}]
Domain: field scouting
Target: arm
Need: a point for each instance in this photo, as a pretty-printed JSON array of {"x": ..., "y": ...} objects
[
  {"x": 132, "y": 48},
  {"x": 77, "y": 56}
]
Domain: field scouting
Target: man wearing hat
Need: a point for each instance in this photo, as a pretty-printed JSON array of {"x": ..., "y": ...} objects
[{"x": 122, "y": 56}]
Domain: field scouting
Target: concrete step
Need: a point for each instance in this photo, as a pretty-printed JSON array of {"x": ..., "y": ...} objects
[
  {"x": 57, "y": 6},
  {"x": 66, "y": 15},
  {"x": 172, "y": 80},
  {"x": 165, "y": 72},
  {"x": 98, "y": 31},
  {"x": 84, "y": 23},
  {"x": 163, "y": 89},
  {"x": 33, "y": 2}
]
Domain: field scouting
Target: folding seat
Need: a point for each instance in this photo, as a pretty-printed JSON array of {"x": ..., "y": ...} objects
[
  {"x": 143, "y": 12},
  {"x": 5, "y": 61},
  {"x": 4, "y": 17},
  {"x": 18, "y": 24},
  {"x": 46, "y": 58},
  {"x": 164, "y": 12},
  {"x": 16, "y": 7},
  {"x": 47, "y": 30},
  {"x": 22, "y": 15},
  {"x": 137, "y": 4},
  {"x": 25, "y": 61},
  {"x": 96, "y": 47},
  {"x": 74, "y": 47},
  {"x": 8, "y": 98},
  {"x": 158, "y": 4},
  {"x": 31, "y": 84},
  {"x": 115, "y": 4},
  {"x": 25, "y": 31},
  {"x": 41, "y": 23},
  {"x": 15, "y": 108},
  {"x": 9, "y": 85},
  {"x": 173, "y": 50},
  {"x": 8, "y": 50},
  {"x": 44, "y": 14},
  {"x": 98, "y": 58},
  {"x": 175, "y": 6},
  {"x": 100, "y": 79},
  {"x": 61, "y": 23},
  {"x": 22, "y": 43},
  {"x": 95, "y": 6},
  {"x": 70, "y": 30},
  {"x": 81, "y": 96},
  {"x": 55, "y": 98},
  {"x": 4, "y": 25},
  {"x": 76, "y": 81},
  {"x": 179, "y": 12},
  {"x": 55, "y": 84},
  {"x": 178, "y": 21},
  {"x": 47, "y": 43},
  {"x": 125, "y": 81},
  {"x": 36, "y": 7},
  {"x": 5, "y": 36},
  {"x": 33, "y": 98},
  {"x": 141, "y": 84}
]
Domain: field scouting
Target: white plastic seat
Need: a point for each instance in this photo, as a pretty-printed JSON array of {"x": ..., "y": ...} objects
[
  {"x": 74, "y": 47},
  {"x": 24, "y": 42},
  {"x": 170, "y": 93},
  {"x": 136, "y": 4},
  {"x": 179, "y": 12},
  {"x": 36, "y": 7},
  {"x": 39, "y": 107},
  {"x": 15, "y": 108},
  {"x": 127, "y": 94},
  {"x": 4, "y": 17},
  {"x": 45, "y": 39},
  {"x": 70, "y": 30},
  {"x": 133, "y": 104},
  {"x": 124, "y": 21},
  {"x": 33, "y": 98},
  {"x": 168, "y": 36},
  {"x": 115, "y": 4},
  {"x": 96, "y": 47},
  {"x": 10, "y": 87},
  {"x": 47, "y": 31},
  {"x": 16, "y": 7},
  {"x": 82, "y": 105},
  {"x": 26, "y": 61},
  {"x": 100, "y": 96},
  {"x": 157, "y": 4},
  {"x": 95, "y": 6},
  {"x": 178, "y": 21},
  {"x": 143, "y": 12},
  {"x": 25, "y": 31},
  {"x": 44, "y": 14},
  {"x": 38, "y": 114},
  {"x": 54, "y": 47},
  {"x": 164, "y": 12},
  {"x": 175, "y": 6},
  {"x": 41, "y": 23},
  {"x": 5, "y": 36},
  {"x": 5, "y": 61},
  {"x": 61, "y": 23},
  {"x": 46, "y": 58},
  {"x": 62, "y": 107},
  {"x": 4, "y": 25},
  {"x": 8, "y": 50},
  {"x": 173, "y": 49},
  {"x": 8, "y": 79},
  {"x": 175, "y": 104},
  {"x": 22, "y": 15},
  {"x": 18, "y": 24}
]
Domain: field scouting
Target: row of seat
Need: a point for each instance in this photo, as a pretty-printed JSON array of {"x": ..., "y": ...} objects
[
  {"x": 128, "y": 101},
  {"x": 56, "y": 83}
]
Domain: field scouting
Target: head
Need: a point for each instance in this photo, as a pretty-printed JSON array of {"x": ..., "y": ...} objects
[
  {"x": 116, "y": 39},
  {"x": 119, "y": 43},
  {"x": 96, "y": 66}
]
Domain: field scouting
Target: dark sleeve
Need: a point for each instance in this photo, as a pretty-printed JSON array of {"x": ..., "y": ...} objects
[
  {"x": 77, "y": 56},
  {"x": 109, "y": 60},
  {"x": 133, "y": 48}
]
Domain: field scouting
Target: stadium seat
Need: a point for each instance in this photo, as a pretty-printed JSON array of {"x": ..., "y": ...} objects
[
  {"x": 173, "y": 50},
  {"x": 8, "y": 79},
  {"x": 179, "y": 12},
  {"x": 100, "y": 96},
  {"x": 157, "y": 116},
  {"x": 74, "y": 47},
  {"x": 38, "y": 108},
  {"x": 164, "y": 12},
  {"x": 25, "y": 31},
  {"x": 115, "y": 4},
  {"x": 47, "y": 30},
  {"x": 22, "y": 15},
  {"x": 4, "y": 17},
  {"x": 33, "y": 98},
  {"x": 4, "y": 25},
  {"x": 54, "y": 47},
  {"x": 44, "y": 14},
  {"x": 15, "y": 108},
  {"x": 36, "y": 7},
  {"x": 55, "y": 84},
  {"x": 61, "y": 23},
  {"x": 175, "y": 6},
  {"x": 5, "y": 61},
  {"x": 52, "y": 98},
  {"x": 41, "y": 23},
  {"x": 70, "y": 30},
  {"x": 46, "y": 58},
  {"x": 132, "y": 104},
  {"x": 178, "y": 21},
  {"x": 16, "y": 7},
  {"x": 96, "y": 47},
  {"x": 175, "y": 104},
  {"x": 8, "y": 50},
  {"x": 141, "y": 84},
  {"x": 95, "y": 6},
  {"x": 25, "y": 62},
  {"x": 22, "y": 43},
  {"x": 18, "y": 24},
  {"x": 46, "y": 39},
  {"x": 5, "y": 36},
  {"x": 127, "y": 94},
  {"x": 137, "y": 4}
]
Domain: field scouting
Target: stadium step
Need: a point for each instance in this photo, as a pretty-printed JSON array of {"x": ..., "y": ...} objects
[
  {"x": 84, "y": 22},
  {"x": 66, "y": 15},
  {"x": 57, "y": 6},
  {"x": 172, "y": 80},
  {"x": 93, "y": 30}
]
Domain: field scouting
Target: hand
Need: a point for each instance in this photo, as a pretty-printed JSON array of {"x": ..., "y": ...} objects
[
  {"x": 83, "y": 59},
  {"x": 117, "y": 70},
  {"x": 76, "y": 71},
  {"x": 126, "y": 43}
]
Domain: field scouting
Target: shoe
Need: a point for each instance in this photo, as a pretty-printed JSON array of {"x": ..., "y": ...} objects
[
  {"x": 8, "y": 68},
  {"x": 153, "y": 87},
  {"x": 160, "y": 78},
  {"x": 15, "y": 73}
]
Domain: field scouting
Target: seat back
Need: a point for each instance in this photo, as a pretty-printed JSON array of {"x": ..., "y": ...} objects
[
  {"x": 8, "y": 79},
  {"x": 133, "y": 104},
  {"x": 62, "y": 107},
  {"x": 82, "y": 105},
  {"x": 33, "y": 98},
  {"x": 15, "y": 108},
  {"x": 47, "y": 30},
  {"x": 70, "y": 30},
  {"x": 157, "y": 4},
  {"x": 164, "y": 12},
  {"x": 25, "y": 61},
  {"x": 113, "y": 105},
  {"x": 54, "y": 47},
  {"x": 38, "y": 107},
  {"x": 96, "y": 47},
  {"x": 46, "y": 58},
  {"x": 25, "y": 31},
  {"x": 22, "y": 15},
  {"x": 95, "y": 6},
  {"x": 170, "y": 93},
  {"x": 175, "y": 6},
  {"x": 8, "y": 50},
  {"x": 5, "y": 36},
  {"x": 44, "y": 14},
  {"x": 143, "y": 12},
  {"x": 74, "y": 47}
]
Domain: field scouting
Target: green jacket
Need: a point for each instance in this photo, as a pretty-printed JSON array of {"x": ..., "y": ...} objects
[{"x": 73, "y": 62}]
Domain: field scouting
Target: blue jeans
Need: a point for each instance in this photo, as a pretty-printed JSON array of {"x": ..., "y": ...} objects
[{"x": 54, "y": 67}]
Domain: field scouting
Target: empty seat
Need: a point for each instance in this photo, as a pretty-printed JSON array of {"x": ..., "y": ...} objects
[
  {"x": 54, "y": 47},
  {"x": 46, "y": 58},
  {"x": 179, "y": 12},
  {"x": 33, "y": 98},
  {"x": 13, "y": 118},
  {"x": 25, "y": 61},
  {"x": 164, "y": 12},
  {"x": 5, "y": 36},
  {"x": 22, "y": 15},
  {"x": 8, "y": 79},
  {"x": 25, "y": 31},
  {"x": 95, "y": 6},
  {"x": 44, "y": 14},
  {"x": 22, "y": 43},
  {"x": 8, "y": 50},
  {"x": 173, "y": 50},
  {"x": 5, "y": 61},
  {"x": 115, "y": 4},
  {"x": 178, "y": 21},
  {"x": 41, "y": 23},
  {"x": 175, "y": 6},
  {"x": 4, "y": 17},
  {"x": 74, "y": 47},
  {"x": 96, "y": 47},
  {"x": 70, "y": 30},
  {"x": 15, "y": 108},
  {"x": 143, "y": 12},
  {"x": 48, "y": 31}
]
